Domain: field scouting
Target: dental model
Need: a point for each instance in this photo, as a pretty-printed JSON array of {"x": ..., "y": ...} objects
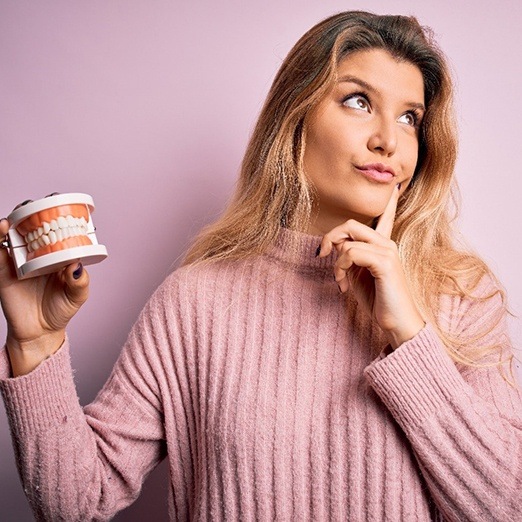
[{"x": 50, "y": 233}]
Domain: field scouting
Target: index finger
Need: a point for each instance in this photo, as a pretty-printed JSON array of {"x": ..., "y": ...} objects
[{"x": 387, "y": 218}]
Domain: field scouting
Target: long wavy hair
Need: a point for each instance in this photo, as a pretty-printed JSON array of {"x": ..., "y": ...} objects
[{"x": 273, "y": 190}]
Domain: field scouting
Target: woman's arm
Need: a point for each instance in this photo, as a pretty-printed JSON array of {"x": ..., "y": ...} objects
[
  {"x": 88, "y": 464},
  {"x": 465, "y": 428},
  {"x": 78, "y": 464}
]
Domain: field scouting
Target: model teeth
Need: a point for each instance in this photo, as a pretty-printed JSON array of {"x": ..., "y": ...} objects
[{"x": 57, "y": 230}]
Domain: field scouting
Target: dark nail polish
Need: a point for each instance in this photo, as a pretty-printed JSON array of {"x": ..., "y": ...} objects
[
  {"x": 52, "y": 194},
  {"x": 78, "y": 272},
  {"x": 26, "y": 201},
  {"x": 318, "y": 251}
]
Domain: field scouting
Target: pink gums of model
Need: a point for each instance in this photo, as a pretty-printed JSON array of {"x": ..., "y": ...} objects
[{"x": 53, "y": 232}]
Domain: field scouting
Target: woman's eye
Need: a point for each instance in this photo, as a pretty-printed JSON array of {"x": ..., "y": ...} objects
[
  {"x": 357, "y": 101},
  {"x": 408, "y": 118}
]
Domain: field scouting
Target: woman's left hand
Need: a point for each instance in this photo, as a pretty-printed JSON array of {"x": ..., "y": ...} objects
[{"x": 369, "y": 263}]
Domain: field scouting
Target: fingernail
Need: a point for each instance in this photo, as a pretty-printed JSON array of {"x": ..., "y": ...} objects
[
  {"x": 399, "y": 186},
  {"x": 26, "y": 201},
  {"x": 52, "y": 194},
  {"x": 78, "y": 272},
  {"x": 339, "y": 287},
  {"x": 318, "y": 251},
  {"x": 3, "y": 219}
]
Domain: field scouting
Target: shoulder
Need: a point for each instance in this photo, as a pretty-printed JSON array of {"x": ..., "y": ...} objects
[
  {"x": 474, "y": 320},
  {"x": 474, "y": 297},
  {"x": 196, "y": 285},
  {"x": 189, "y": 279}
]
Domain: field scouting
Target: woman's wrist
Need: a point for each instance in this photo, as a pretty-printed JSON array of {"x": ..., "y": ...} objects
[
  {"x": 406, "y": 332},
  {"x": 25, "y": 356}
]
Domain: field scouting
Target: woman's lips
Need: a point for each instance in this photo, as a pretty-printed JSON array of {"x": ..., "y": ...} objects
[{"x": 377, "y": 172}]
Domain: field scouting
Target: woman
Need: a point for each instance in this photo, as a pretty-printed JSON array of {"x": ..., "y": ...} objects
[{"x": 325, "y": 353}]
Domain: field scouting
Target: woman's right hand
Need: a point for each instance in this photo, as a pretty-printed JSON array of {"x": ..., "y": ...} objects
[{"x": 38, "y": 309}]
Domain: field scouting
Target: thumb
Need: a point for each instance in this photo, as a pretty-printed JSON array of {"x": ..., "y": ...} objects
[
  {"x": 7, "y": 271},
  {"x": 76, "y": 281}
]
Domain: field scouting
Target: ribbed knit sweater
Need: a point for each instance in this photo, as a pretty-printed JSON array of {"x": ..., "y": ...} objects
[{"x": 270, "y": 395}]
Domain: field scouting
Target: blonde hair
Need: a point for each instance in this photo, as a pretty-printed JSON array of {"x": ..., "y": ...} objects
[{"x": 273, "y": 191}]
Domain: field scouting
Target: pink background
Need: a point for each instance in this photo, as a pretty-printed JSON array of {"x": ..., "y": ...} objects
[{"x": 147, "y": 106}]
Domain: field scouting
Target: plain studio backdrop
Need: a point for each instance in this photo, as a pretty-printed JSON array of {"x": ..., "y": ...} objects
[{"x": 148, "y": 106}]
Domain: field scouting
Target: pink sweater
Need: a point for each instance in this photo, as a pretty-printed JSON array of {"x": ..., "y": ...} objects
[{"x": 262, "y": 386}]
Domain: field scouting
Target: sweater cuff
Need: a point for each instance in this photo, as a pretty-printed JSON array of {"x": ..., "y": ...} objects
[
  {"x": 41, "y": 398},
  {"x": 418, "y": 379}
]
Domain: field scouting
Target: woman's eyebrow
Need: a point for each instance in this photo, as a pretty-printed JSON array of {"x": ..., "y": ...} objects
[
  {"x": 368, "y": 87},
  {"x": 415, "y": 105},
  {"x": 358, "y": 81}
]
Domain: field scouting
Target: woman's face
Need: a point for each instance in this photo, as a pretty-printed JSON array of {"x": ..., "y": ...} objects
[{"x": 363, "y": 138}]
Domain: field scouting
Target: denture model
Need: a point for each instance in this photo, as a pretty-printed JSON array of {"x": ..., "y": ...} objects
[{"x": 53, "y": 232}]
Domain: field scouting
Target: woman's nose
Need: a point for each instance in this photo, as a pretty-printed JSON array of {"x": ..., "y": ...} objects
[{"x": 383, "y": 138}]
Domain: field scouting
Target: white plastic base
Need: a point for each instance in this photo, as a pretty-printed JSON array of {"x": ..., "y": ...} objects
[{"x": 53, "y": 262}]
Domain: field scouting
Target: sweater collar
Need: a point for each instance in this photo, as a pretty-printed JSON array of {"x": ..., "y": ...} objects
[{"x": 299, "y": 249}]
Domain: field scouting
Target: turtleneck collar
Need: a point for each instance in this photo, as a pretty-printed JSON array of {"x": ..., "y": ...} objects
[{"x": 299, "y": 249}]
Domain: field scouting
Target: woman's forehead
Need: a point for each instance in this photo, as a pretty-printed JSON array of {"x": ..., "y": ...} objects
[{"x": 377, "y": 70}]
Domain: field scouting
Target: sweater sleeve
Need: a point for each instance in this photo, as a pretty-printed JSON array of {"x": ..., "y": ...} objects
[
  {"x": 88, "y": 464},
  {"x": 464, "y": 424}
]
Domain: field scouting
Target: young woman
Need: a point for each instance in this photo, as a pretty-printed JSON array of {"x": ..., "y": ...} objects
[{"x": 325, "y": 352}]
